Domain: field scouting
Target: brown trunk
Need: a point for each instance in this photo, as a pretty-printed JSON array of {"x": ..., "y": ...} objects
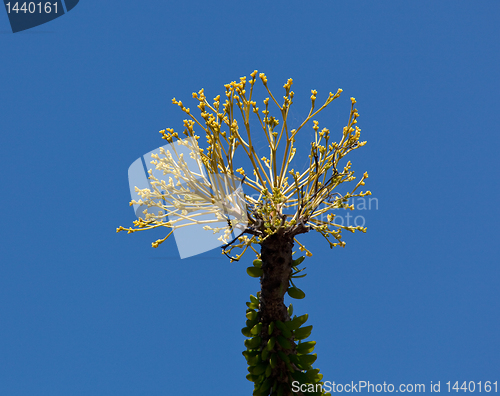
[{"x": 276, "y": 256}]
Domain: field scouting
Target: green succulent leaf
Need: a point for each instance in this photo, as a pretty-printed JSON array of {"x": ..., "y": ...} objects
[
  {"x": 302, "y": 333},
  {"x": 259, "y": 369},
  {"x": 298, "y": 261},
  {"x": 305, "y": 347},
  {"x": 284, "y": 343},
  {"x": 254, "y": 299},
  {"x": 264, "y": 354},
  {"x": 256, "y": 391},
  {"x": 248, "y": 354},
  {"x": 269, "y": 369},
  {"x": 314, "y": 375},
  {"x": 251, "y": 315},
  {"x": 294, "y": 274},
  {"x": 270, "y": 343},
  {"x": 270, "y": 329},
  {"x": 283, "y": 356},
  {"x": 246, "y": 332},
  {"x": 258, "y": 384},
  {"x": 254, "y": 272},
  {"x": 289, "y": 367},
  {"x": 296, "y": 322},
  {"x": 256, "y": 330},
  {"x": 273, "y": 360},
  {"x": 306, "y": 361},
  {"x": 295, "y": 360},
  {"x": 257, "y": 263},
  {"x": 252, "y": 378},
  {"x": 251, "y": 323},
  {"x": 253, "y": 343},
  {"x": 254, "y": 360},
  {"x": 266, "y": 385},
  {"x": 252, "y": 305},
  {"x": 284, "y": 330},
  {"x": 296, "y": 293},
  {"x": 301, "y": 377}
]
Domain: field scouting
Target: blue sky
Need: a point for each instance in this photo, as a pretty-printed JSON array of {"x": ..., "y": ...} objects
[{"x": 87, "y": 311}]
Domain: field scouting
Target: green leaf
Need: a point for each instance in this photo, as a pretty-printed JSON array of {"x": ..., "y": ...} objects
[
  {"x": 284, "y": 330},
  {"x": 259, "y": 369},
  {"x": 254, "y": 360},
  {"x": 269, "y": 369},
  {"x": 301, "y": 377},
  {"x": 270, "y": 329},
  {"x": 296, "y": 322},
  {"x": 254, "y": 299},
  {"x": 252, "y": 305},
  {"x": 264, "y": 354},
  {"x": 283, "y": 356},
  {"x": 256, "y": 391},
  {"x": 314, "y": 375},
  {"x": 272, "y": 360},
  {"x": 246, "y": 332},
  {"x": 306, "y": 361},
  {"x": 257, "y": 263},
  {"x": 305, "y": 347},
  {"x": 252, "y": 378},
  {"x": 298, "y": 261},
  {"x": 295, "y": 360},
  {"x": 257, "y": 385},
  {"x": 294, "y": 275},
  {"x": 253, "y": 343},
  {"x": 251, "y": 323},
  {"x": 254, "y": 272},
  {"x": 248, "y": 354},
  {"x": 285, "y": 344},
  {"x": 252, "y": 315},
  {"x": 295, "y": 292},
  {"x": 270, "y": 343},
  {"x": 302, "y": 333},
  {"x": 257, "y": 329},
  {"x": 266, "y": 385},
  {"x": 290, "y": 310}
]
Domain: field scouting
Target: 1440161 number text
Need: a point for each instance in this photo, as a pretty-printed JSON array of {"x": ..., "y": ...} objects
[{"x": 32, "y": 7}]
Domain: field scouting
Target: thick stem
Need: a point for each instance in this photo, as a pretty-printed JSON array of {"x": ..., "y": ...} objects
[{"x": 276, "y": 256}]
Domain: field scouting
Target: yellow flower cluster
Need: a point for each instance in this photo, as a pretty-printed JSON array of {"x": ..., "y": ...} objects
[{"x": 278, "y": 206}]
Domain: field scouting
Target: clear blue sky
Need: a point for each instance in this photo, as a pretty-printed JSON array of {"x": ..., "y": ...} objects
[{"x": 87, "y": 311}]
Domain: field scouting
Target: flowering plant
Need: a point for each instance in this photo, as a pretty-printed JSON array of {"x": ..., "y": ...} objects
[{"x": 205, "y": 186}]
